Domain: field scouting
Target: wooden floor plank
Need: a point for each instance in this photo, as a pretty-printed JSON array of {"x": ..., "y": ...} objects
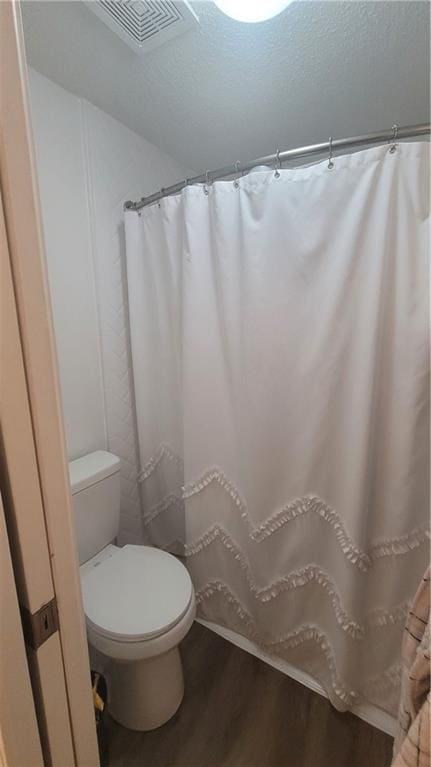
[{"x": 240, "y": 712}]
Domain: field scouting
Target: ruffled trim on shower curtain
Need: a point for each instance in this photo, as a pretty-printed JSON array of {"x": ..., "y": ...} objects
[
  {"x": 340, "y": 695},
  {"x": 291, "y": 510},
  {"x": 357, "y": 629}
]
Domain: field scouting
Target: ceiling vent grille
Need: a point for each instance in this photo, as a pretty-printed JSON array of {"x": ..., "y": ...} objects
[{"x": 145, "y": 24}]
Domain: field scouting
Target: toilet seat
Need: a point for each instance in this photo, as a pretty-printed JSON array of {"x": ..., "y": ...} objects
[{"x": 135, "y": 593}]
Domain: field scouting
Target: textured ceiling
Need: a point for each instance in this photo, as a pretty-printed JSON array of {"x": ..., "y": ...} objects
[{"x": 226, "y": 91}]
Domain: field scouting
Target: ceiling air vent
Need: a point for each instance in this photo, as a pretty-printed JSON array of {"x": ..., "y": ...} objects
[{"x": 145, "y": 24}]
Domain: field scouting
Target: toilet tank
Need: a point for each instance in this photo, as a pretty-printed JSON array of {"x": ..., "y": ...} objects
[{"x": 95, "y": 487}]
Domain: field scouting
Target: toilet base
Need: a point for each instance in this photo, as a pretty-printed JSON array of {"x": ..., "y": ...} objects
[{"x": 145, "y": 694}]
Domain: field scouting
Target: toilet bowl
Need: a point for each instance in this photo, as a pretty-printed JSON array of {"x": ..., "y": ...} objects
[
  {"x": 138, "y": 601},
  {"x": 139, "y": 604}
]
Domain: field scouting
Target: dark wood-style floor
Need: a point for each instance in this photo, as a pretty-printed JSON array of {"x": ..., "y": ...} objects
[{"x": 239, "y": 712}]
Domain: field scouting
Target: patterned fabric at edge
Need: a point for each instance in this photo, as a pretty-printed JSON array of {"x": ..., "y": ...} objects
[
  {"x": 413, "y": 742},
  {"x": 280, "y": 349}
]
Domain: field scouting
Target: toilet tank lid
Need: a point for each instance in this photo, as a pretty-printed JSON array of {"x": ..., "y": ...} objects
[{"x": 91, "y": 468}]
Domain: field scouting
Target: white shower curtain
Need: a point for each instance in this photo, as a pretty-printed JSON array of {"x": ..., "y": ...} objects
[{"x": 280, "y": 349}]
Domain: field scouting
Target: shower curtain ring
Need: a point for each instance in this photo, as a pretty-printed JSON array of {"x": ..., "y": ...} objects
[
  {"x": 207, "y": 182},
  {"x": 330, "y": 162},
  {"x": 278, "y": 167},
  {"x": 394, "y": 138},
  {"x": 236, "y": 182}
]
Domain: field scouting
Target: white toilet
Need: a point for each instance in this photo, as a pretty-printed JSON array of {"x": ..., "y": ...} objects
[{"x": 139, "y": 601}]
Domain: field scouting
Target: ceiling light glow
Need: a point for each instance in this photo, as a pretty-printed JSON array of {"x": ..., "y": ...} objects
[{"x": 252, "y": 10}]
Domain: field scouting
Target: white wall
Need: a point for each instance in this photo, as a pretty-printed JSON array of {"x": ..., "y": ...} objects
[
  {"x": 88, "y": 165},
  {"x": 57, "y": 124}
]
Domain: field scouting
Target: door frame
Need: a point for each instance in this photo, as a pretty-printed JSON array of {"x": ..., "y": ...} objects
[
  {"x": 50, "y": 536},
  {"x": 19, "y": 733}
]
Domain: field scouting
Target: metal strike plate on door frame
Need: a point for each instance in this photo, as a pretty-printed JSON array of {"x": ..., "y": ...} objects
[{"x": 39, "y": 626}]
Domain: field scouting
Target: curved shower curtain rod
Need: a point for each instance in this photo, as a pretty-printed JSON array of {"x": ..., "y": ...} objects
[{"x": 390, "y": 136}]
